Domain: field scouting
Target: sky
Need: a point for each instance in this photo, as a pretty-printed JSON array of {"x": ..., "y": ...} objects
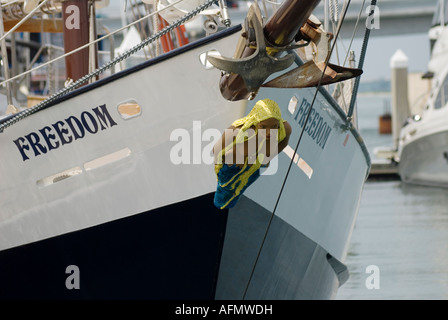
[{"x": 381, "y": 49}]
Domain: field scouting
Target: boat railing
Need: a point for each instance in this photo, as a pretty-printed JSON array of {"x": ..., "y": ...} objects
[
  {"x": 122, "y": 59},
  {"x": 95, "y": 74},
  {"x": 10, "y": 81}
]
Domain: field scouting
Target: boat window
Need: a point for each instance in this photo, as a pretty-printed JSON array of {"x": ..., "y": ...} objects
[
  {"x": 129, "y": 109},
  {"x": 442, "y": 96},
  {"x": 107, "y": 159},
  {"x": 292, "y": 104},
  {"x": 44, "y": 182},
  {"x": 438, "y": 103},
  {"x": 445, "y": 92}
]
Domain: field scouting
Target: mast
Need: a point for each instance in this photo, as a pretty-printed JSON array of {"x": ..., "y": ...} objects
[
  {"x": 4, "y": 57},
  {"x": 75, "y": 14}
]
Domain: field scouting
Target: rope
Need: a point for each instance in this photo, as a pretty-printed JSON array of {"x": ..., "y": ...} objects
[
  {"x": 62, "y": 92},
  {"x": 361, "y": 62},
  {"x": 21, "y": 21},
  {"x": 334, "y": 11},
  {"x": 87, "y": 44},
  {"x": 354, "y": 32},
  {"x": 297, "y": 146}
]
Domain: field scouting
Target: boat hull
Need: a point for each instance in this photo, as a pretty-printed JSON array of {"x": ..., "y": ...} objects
[
  {"x": 424, "y": 161},
  {"x": 128, "y": 212},
  {"x": 174, "y": 252}
]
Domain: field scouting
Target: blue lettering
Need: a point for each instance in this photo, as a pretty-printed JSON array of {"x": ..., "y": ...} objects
[
  {"x": 304, "y": 114},
  {"x": 327, "y": 134},
  {"x": 104, "y": 116},
  {"x": 86, "y": 124},
  {"x": 33, "y": 140},
  {"x": 48, "y": 138},
  {"x": 21, "y": 146},
  {"x": 307, "y": 127},
  {"x": 300, "y": 110},
  {"x": 66, "y": 131},
  {"x": 78, "y": 135},
  {"x": 316, "y": 127},
  {"x": 61, "y": 131}
]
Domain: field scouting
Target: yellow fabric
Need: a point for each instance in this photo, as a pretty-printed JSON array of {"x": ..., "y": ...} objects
[{"x": 263, "y": 110}]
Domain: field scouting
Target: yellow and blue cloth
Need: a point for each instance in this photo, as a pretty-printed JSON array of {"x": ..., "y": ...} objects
[{"x": 232, "y": 179}]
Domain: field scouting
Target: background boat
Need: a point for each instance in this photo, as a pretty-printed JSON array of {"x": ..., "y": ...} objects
[{"x": 423, "y": 144}]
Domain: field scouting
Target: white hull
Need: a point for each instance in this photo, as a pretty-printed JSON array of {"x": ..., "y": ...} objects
[
  {"x": 144, "y": 180},
  {"x": 139, "y": 175},
  {"x": 425, "y": 160},
  {"x": 423, "y": 144}
]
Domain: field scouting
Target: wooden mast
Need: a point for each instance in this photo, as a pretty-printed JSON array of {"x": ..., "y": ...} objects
[{"x": 75, "y": 15}]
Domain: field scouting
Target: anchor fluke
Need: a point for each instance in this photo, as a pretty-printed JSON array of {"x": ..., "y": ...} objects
[
  {"x": 310, "y": 74},
  {"x": 253, "y": 64},
  {"x": 254, "y": 69}
]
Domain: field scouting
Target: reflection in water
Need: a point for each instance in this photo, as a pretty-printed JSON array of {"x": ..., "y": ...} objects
[{"x": 402, "y": 229}]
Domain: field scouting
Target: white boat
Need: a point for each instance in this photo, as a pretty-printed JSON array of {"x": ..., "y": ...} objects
[
  {"x": 96, "y": 202},
  {"x": 423, "y": 144}
]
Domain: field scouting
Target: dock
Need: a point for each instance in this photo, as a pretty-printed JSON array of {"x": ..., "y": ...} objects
[{"x": 384, "y": 170}]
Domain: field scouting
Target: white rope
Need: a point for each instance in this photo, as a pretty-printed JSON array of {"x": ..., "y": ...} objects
[
  {"x": 354, "y": 32},
  {"x": 27, "y": 112},
  {"x": 23, "y": 20},
  {"x": 334, "y": 11}
]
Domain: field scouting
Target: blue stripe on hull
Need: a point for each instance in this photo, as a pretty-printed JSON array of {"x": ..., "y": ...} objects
[{"x": 168, "y": 253}]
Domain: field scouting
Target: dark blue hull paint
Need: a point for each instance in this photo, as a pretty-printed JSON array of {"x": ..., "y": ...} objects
[
  {"x": 168, "y": 253},
  {"x": 185, "y": 251}
]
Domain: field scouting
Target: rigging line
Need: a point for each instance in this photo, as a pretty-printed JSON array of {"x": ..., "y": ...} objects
[
  {"x": 22, "y": 20},
  {"x": 88, "y": 44},
  {"x": 354, "y": 32},
  {"x": 346, "y": 5},
  {"x": 27, "y": 112},
  {"x": 361, "y": 61}
]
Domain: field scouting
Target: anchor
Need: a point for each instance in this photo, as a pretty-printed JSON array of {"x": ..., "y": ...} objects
[
  {"x": 254, "y": 61},
  {"x": 310, "y": 73},
  {"x": 257, "y": 67}
]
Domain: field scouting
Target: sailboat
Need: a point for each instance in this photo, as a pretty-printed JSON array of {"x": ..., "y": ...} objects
[
  {"x": 423, "y": 145},
  {"x": 107, "y": 185}
]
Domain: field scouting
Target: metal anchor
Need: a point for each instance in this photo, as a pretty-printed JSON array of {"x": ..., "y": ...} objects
[
  {"x": 310, "y": 75},
  {"x": 316, "y": 71},
  {"x": 256, "y": 68}
]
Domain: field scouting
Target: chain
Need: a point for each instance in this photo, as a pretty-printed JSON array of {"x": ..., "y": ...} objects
[{"x": 110, "y": 64}]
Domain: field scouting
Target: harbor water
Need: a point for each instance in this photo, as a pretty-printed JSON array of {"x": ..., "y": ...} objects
[{"x": 399, "y": 246}]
